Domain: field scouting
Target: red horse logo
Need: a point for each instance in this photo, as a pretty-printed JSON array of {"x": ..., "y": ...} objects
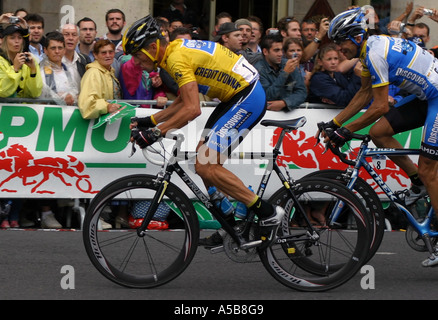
[
  {"x": 18, "y": 160},
  {"x": 304, "y": 153}
]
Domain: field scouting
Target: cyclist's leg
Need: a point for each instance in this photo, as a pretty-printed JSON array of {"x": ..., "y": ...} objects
[
  {"x": 428, "y": 171},
  {"x": 409, "y": 114},
  {"x": 428, "y": 162},
  {"x": 224, "y": 131},
  {"x": 382, "y": 135}
]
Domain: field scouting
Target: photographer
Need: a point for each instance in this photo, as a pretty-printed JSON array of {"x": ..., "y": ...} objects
[
  {"x": 281, "y": 78},
  {"x": 19, "y": 72}
]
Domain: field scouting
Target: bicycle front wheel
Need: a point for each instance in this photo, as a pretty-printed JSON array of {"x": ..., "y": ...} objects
[
  {"x": 140, "y": 261},
  {"x": 324, "y": 256}
]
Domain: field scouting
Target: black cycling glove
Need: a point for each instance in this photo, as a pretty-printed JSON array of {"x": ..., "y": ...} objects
[
  {"x": 328, "y": 126},
  {"x": 340, "y": 136},
  {"x": 143, "y": 123},
  {"x": 144, "y": 138}
]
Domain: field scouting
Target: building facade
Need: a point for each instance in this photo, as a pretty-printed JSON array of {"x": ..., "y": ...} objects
[{"x": 57, "y": 12}]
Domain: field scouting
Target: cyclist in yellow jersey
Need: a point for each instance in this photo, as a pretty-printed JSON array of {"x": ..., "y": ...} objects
[{"x": 211, "y": 69}]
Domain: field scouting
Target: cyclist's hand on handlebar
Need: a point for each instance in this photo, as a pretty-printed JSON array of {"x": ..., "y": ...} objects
[
  {"x": 142, "y": 123},
  {"x": 143, "y": 138},
  {"x": 340, "y": 136},
  {"x": 324, "y": 129}
]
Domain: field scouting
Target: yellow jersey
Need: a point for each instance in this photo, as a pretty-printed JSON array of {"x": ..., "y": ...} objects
[{"x": 219, "y": 72}]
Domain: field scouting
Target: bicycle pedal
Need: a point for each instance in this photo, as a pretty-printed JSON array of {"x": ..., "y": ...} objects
[{"x": 217, "y": 249}]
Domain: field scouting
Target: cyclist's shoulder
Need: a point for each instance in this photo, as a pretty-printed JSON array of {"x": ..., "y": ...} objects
[{"x": 378, "y": 42}]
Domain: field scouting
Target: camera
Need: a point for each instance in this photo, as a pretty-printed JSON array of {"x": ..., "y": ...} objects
[
  {"x": 402, "y": 29},
  {"x": 428, "y": 12},
  {"x": 27, "y": 59},
  {"x": 14, "y": 20},
  {"x": 294, "y": 55}
]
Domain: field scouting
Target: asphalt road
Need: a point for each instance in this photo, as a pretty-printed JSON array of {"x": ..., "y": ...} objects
[{"x": 34, "y": 265}]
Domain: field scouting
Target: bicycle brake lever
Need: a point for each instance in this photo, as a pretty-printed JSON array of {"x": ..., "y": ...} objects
[
  {"x": 326, "y": 148},
  {"x": 318, "y": 139},
  {"x": 133, "y": 149}
]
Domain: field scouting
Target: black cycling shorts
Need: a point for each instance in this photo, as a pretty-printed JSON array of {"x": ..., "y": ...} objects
[{"x": 410, "y": 113}]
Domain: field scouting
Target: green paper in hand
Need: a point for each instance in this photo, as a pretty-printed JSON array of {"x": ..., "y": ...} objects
[{"x": 125, "y": 110}]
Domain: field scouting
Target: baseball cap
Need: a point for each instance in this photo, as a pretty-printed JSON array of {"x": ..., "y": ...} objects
[
  {"x": 225, "y": 28},
  {"x": 10, "y": 29},
  {"x": 242, "y": 22}
]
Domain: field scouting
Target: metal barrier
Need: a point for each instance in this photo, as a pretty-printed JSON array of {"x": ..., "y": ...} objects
[{"x": 306, "y": 105}]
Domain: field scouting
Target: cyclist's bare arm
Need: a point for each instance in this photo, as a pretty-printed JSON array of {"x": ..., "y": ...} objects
[
  {"x": 360, "y": 100},
  {"x": 185, "y": 108},
  {"x": 378, "y": 108}
]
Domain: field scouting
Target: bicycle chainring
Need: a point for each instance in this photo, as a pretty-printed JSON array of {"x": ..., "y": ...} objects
[
  {"x": 415, "y": 241},
  {"x": 236, "y": 254}
]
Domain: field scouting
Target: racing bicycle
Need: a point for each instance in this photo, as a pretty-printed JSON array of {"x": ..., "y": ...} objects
[
  {"x": 420, "y": 234},
  {"x": 302, "y": 256}
]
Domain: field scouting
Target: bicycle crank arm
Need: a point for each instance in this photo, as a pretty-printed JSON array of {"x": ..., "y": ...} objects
[{"x": 217, "y": 250}]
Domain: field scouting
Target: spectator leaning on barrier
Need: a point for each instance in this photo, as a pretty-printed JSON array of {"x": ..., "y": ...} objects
[
  {"x": 99, "y": 83},
  {"x": 58, "y": 80},
  {"x": 281, "y": 78},
  {"x": 19, "y": 71}
]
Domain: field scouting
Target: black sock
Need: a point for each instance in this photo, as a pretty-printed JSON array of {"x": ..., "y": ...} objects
[
  {"x": 415, "y": 179},
  {"x": 262, "y": 208}
]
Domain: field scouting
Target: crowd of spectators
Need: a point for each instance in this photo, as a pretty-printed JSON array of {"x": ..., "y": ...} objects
[{"x": 74, "y": 66}]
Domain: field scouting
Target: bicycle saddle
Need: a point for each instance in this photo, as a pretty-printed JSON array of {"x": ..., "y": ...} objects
[{"x": 292, "y": 124}]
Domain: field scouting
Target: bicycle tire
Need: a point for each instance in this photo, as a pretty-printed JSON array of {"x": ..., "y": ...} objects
[
  {"x": 371, "y": 201},
  {"x": 134, "y": 261},
  {"x": 338, "y": 253}
]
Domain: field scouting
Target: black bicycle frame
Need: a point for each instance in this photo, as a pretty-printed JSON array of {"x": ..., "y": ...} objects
[{"x": 175, "y": 167}]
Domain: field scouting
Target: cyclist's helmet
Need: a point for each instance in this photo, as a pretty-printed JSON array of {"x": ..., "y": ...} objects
[
  {"x": 137, "y": 35},
  {"x": 348, "y": 25}
]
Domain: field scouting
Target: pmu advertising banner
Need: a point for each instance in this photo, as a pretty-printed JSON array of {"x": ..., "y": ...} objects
[{"x": 52, "y": 152}]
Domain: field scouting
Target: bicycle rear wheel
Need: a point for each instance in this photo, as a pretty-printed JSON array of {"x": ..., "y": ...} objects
[
  {"x": 371, "y": 201},
  {"x": 327, "y": 258},
  {"x": 127, "y": 258}
]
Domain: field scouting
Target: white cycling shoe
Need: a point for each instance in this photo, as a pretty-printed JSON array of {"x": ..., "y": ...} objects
[
  {"x": 269, "y": 227},
  {"x": 275, "y": 219},
  {"x": 432, "y": 261}
]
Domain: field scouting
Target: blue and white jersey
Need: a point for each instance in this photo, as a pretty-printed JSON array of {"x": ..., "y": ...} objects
[{"x": 402, "y": 63}]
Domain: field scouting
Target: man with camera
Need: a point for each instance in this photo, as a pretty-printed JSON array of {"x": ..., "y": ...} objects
[{"x": 281, "y": 78}]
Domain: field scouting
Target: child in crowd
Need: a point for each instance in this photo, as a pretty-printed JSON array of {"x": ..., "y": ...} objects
[{"x": 329, "y": 86}]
